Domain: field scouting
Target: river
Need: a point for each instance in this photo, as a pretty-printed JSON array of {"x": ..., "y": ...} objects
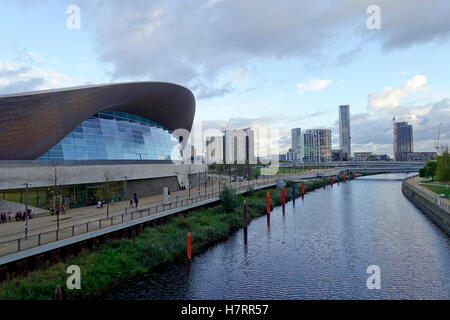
[{"x": 319, "y": 248}]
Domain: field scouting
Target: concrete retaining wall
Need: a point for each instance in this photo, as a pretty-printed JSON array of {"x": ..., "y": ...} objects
[
  {"x": 151, "y": 187},
  {"x": 430, "y": 208}
]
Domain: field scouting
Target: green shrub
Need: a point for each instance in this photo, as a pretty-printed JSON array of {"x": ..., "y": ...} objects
[{"x": 228, "y": 198}]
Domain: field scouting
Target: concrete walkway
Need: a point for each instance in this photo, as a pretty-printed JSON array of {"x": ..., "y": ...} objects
[{"x": 47, "y": 225}]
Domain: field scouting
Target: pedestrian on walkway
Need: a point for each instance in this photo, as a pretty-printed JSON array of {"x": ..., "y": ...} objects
[
  {"x": 131, "y": 203},
  {"x": 136, "y": 200}
]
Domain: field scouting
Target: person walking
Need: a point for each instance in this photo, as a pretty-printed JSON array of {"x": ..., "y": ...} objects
[
  {"x": 131, "y": 203},
  {"x": 136, "y": 200}
]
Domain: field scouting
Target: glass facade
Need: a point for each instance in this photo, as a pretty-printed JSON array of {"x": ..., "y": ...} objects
[
  {"x": 73, "y": 196},
  {"x": 113, "y": 135},
  {"x": 344, "y": 130},
  {"x": 403, "y": 141}
]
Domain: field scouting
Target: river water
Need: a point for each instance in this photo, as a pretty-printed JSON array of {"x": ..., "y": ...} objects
[{"x": 320, "y": 248}]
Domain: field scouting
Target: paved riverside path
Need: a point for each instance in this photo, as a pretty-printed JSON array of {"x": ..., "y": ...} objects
[
  {"x": 80, "y": 216},
  {"x": 420, "y": 185}
]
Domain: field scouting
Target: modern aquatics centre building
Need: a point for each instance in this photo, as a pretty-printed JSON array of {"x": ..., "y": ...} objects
[{"x": 135, "y": 130}]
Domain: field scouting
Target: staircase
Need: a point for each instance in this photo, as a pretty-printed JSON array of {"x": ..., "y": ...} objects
[{"x": 14, "y": 207}]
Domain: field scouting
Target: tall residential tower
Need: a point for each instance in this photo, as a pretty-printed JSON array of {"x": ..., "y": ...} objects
[
  {"x": 317, "y": 145},
  {"x": 296, "y": 135},
  {"x": 403, "y": 140},
  {"x": 345, "y": 142}
]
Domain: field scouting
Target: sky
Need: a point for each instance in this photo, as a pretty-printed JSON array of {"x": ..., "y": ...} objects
[{"x": 249, "y": 63}]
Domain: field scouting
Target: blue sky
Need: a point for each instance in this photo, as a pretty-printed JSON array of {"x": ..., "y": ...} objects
[{"x": 256, "y": 63}]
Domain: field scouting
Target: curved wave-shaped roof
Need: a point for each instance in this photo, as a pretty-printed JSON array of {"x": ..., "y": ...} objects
[{"x": 32, "y": 123}]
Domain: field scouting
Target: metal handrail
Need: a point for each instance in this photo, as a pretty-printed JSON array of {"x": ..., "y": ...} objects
[{"x": 59, "y": 232}]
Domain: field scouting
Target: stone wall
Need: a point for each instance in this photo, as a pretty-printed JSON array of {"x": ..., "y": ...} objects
[{"x": 428, "y": 207}]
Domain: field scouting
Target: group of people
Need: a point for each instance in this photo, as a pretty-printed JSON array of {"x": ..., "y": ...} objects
[
  {"x": 19, "y": 216},
  {"x": 136, "y": 201},
  {"x": 58, "y": 210}
]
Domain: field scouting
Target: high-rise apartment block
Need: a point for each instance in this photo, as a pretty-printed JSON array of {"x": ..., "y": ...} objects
[
  {"x": 345, "y": 142},
  {"x": 317, "y": 145},
  {"x": 403, "y": 140}
]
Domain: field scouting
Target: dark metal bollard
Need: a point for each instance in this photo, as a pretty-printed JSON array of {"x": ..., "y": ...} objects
[
  {"x": 73, "y": 231},
  {"x": 244, "y": 209},
  {"x": 39, "y": 239},
  {"x": 58, "y": 293},
  {"x": 293, "y": 192}
]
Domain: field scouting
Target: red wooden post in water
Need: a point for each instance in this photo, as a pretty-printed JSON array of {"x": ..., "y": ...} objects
[
  {"x": 245, "y": 214},
  {"x": 331, "y": 180},
  {"x": 344, "y": 176},
  {"x": 268, "y": 203},
  {"x": 283, "y": 197},
  {"x": 303, "y": 187},
  {"x": 353, "y": 174},
  {"x": 189, "y": 246}
]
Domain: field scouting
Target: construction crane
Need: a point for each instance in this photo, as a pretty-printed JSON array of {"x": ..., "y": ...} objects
[
  {"x": 436, "y": 143},
  {"x": 228, "y": 124}
]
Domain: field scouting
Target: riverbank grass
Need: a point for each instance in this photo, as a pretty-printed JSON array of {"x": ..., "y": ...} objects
[{"x": 156, "y": 247}]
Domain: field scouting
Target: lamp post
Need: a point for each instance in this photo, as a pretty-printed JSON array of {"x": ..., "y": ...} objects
[
  {"x": 126, "y": 192},
  {"x": 26, "y": 184},
  {"x": 206, "y": 180}
]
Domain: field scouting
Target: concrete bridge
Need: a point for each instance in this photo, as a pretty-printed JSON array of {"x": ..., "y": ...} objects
[{"x": 361, "y": 166}]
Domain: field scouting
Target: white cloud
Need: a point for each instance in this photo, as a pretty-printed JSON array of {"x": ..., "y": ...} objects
[
  {"x": 239, "y": 74},
  {"x": 388, "y": 100},
  {"x": 415, "y": 83},
  {"x": 391, "y": 97},
  {"x": 28, "y": 74},
  {"x": 313, "y": 85}
]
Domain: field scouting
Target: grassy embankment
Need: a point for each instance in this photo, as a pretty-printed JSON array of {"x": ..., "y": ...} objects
[
  {"x": 155, "y": 247},
  {"x": 438, "y": 189}
]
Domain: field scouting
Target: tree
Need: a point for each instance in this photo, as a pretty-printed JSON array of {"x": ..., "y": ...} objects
[
  {"x": 107, "y": 178},
  {"x": 443, "y": 167},
  {"x": 429, "y": 170},
  {"x": 58, "y": 179},
  {"x": 228, "y": 198}
]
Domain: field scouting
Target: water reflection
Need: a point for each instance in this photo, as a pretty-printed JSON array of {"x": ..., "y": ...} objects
[{"x": 319, "y": 249}]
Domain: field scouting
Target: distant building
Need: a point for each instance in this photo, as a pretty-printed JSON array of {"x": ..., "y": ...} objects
[
  {"x": 403, "y": 140},
  {"x": 381, "y": 157},
  {"x": 362, "y": 156},
  {"x": 296, "y": 136},
  {"x": 344, "y": 130},
  {"x": 214, "y": 150},
  {"x": 420, "y": 156},
  {"x": 291, "y": 155},
  {"x": 317, "y": 145},
  {"x": 282, "y": 157},
  {"x": 338, "y": 155},
  {"x": 235, "y": 146}
]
